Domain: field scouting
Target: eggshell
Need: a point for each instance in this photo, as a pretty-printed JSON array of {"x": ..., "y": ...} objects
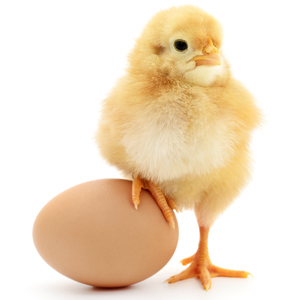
[{"x": 91, "y": 233}]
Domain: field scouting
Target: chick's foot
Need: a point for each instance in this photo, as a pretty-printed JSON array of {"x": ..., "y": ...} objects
[
  {"x": 166, "y": 204},
  {"x": 202, "y": 267}
]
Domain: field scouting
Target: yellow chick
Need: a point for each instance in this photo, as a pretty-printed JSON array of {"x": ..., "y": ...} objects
[{"x": 179, "y": 125}]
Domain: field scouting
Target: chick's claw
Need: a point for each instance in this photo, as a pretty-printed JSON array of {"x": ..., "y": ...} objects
[{"x": 160, "y": 199}]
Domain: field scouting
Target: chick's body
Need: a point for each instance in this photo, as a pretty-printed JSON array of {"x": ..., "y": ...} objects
[{"x": 184, "y": 127}]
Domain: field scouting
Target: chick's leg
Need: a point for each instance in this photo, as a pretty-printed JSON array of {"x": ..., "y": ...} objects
[
  {"x": 202, "y": 267},
  {"x": 166, "y": 205}
]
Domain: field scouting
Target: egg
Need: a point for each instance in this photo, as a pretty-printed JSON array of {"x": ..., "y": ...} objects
[{"x": 92, "y": 233}]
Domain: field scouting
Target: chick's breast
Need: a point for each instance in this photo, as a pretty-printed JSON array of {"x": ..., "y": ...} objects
[{"x": 163, "y": 137}]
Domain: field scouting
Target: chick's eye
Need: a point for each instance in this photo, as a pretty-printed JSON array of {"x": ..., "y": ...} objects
[{"x": 180, "y": 45}]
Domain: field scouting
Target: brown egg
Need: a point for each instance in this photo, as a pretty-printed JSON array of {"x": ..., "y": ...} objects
[{"x": 91, "y": 233}]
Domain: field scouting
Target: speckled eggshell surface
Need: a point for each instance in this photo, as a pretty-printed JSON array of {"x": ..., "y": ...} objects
[{"x": 91, "y": 233}]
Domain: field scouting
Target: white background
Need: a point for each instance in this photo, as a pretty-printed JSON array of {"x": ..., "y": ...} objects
[{"x": 59, "y": 59}]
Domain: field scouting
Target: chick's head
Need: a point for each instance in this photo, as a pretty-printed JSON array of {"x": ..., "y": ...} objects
[{"x": 182, "y": 42}]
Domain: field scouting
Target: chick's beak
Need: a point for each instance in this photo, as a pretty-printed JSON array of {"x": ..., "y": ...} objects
[
  {"x": 211, "y": 56},
  {"x": 208, "y": 60}
]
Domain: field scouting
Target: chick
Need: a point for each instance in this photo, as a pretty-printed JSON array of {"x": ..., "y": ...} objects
[{"x": 179, "y": 125}]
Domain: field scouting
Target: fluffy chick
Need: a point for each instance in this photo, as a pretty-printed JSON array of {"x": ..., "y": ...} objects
[{"x": 179, "y": 124}]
